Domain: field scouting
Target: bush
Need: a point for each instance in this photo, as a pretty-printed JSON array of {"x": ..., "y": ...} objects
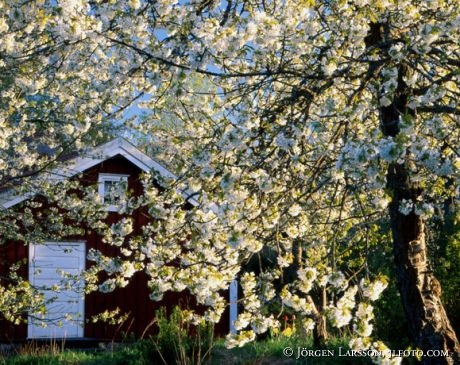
[{"x": 178, "y": 341}]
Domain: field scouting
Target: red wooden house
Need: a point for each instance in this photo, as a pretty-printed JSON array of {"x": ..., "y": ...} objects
[{"x": 103, "y": 166}]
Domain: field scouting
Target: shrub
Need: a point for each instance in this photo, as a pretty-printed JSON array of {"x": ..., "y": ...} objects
[{"x": 178, "y": 341}]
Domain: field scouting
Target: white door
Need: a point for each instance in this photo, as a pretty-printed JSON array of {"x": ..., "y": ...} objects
[{"x": 51, "y": 266}]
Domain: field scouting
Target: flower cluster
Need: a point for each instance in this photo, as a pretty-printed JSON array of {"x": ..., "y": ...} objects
[{"x": 281, "y": 121}]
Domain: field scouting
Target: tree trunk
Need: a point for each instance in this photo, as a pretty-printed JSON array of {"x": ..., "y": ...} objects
[
  {"x": 420, "y": 290},
  {"x": 320, "y": 335}
]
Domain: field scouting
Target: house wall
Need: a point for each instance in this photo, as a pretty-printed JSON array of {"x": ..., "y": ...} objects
[
  {"x": 133, "y": 299},
  {"x": 13, "y": 252}
]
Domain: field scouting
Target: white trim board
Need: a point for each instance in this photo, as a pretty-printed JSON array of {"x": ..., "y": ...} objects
[
  {"x": 233, "y": 301},
  {"x": 118, "y": 146}
]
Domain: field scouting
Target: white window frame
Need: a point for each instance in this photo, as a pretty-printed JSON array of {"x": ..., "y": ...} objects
[{"x": 102, "y": 179}]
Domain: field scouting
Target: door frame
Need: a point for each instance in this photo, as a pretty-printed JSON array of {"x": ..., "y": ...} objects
[{"x": 31, "y": 328}]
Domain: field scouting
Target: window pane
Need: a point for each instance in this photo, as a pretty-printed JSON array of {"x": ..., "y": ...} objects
[{"x": 114, "y": 191}]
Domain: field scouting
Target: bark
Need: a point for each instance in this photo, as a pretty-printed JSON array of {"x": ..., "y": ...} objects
[
  {"x": 420, "y": 290},
  {"x": 320, "y": 335}
]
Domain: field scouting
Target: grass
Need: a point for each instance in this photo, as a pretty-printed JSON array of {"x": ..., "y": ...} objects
[
  {"x": 263, "y": 352},
  {"x": 127, "y": 355},
  {"x": 270, "y": 351}
]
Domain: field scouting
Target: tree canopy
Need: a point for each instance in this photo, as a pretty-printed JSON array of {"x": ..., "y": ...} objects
[{"x": 298, "y": 126}]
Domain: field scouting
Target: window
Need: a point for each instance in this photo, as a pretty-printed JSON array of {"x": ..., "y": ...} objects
[{"x": 112, "y": 189}]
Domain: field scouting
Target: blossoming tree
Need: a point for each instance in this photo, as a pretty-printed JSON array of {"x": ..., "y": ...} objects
[
  {"x": 56, "y": 97},
  {"x": 295, "y": 126},
  {"x": 315, "y": 115}
]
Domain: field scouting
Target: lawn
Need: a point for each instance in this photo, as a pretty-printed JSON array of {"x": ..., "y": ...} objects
[{"x": 264, "y": 352}]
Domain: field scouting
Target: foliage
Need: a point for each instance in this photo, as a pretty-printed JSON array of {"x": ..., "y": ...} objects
[
  {"x": 140, "y": 353},
  {"x": 270, "y": 350},
  {"x": 447, "y": 264},
  {"x": 53, "y": 102},
  {"x": 178, "y": 341},
  {"x": 125, "y": 356},
  {"x": 288, "y": 119}
]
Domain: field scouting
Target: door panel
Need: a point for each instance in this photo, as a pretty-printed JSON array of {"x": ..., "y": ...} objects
[{"x": 49, "y": 264}]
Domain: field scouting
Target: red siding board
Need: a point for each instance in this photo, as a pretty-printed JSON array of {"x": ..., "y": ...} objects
[{"x": 133, "y": 299}]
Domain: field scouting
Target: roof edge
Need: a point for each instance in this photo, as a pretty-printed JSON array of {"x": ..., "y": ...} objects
[{"x": 98, "y": 154}]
